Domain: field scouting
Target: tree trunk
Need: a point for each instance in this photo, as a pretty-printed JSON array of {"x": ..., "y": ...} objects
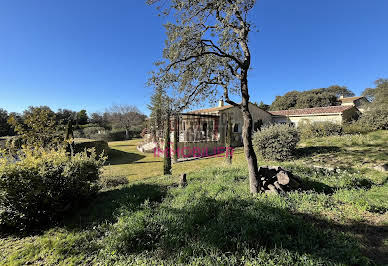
[
  {"x": 167, "y": 149},
  {"x": 126, "y": 134},
  {"x": 228, "y": 141},
  {"x": 247, "y": 137}
]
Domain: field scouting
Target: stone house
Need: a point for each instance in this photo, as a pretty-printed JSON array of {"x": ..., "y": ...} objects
[
  {"x": 359, "y": 102},
  {"x": 334, "y": 114},
  {"x": 206, "y": 128}
]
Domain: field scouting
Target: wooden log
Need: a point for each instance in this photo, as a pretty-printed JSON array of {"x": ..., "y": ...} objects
[
  {"x": 279, "y": 187},
  {"x": 283, "y": 178},
  {"x": 272, "y": 189}
]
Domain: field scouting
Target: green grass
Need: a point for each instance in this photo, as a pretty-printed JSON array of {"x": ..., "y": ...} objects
[{"x": 339, "y": 218}]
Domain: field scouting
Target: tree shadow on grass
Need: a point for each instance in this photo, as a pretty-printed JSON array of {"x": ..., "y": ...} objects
[
  {"x": 311, "y": 151},
  {"x": 117, "y": 157},
  {"x": 208, "y": 227},
  {"x": 106, "y": 206}
]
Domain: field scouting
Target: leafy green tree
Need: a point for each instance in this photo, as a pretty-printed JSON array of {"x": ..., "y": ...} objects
[
  {"x": 4, "y": 126},
  {"x": 126, "y": 117},
  {"x": 263, "y": 106},
  {"x": 207, "y": 48},
  {"x": 288, "y": 101},
  {"x": 37, "y": 128},
  {"x": 82, "y": 117},
  {"x": 311, "y": 98},
  {"x": 158, "y": 109},
  {"x": 64, "y": 115},
  {"x": 376, "y": 115},
  {"x": 340, "y": 91}
]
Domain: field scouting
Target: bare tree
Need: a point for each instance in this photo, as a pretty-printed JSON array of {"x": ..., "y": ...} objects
[
  {"x": 207, "y": 49},
  {"x": 125, "y": 116}
]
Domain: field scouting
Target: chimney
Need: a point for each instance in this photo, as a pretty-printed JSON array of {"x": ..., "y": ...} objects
[{"x": 221, "y": 103}]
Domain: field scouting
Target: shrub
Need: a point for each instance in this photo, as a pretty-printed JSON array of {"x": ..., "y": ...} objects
[
  {"x": 318, "y": 129},
  {"x": 93, "y": 131},
  {"x": 100, "y": 146},
  {"x": 356, "y": 127},
  {"x": 40, "y": 185},
  {"x": 375, "y": 118},
  {"x": 276, "y": 142}
]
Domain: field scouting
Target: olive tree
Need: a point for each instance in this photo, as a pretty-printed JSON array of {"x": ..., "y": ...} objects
[{"x": 207, "y": 51}]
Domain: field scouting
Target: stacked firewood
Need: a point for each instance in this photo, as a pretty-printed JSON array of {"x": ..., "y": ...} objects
[{"x": 277, "y": 180}]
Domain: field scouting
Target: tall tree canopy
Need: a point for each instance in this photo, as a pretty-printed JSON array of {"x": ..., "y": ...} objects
[
  {"x": 310, "y": 98},
  {"x": 5, "y": 128},
  {"x": 37, "y": 127},
  {"x": 207, "y": 48},
  {"x": 126, "y": 117},
  {"x": 376, "y": 115},
  {"x": 158, "y": 107}
]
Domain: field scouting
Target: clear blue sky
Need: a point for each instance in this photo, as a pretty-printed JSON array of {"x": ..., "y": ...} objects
[{"x": 88, "y": 54}]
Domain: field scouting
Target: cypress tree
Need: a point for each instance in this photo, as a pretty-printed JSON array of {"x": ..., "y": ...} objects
[
  {"x": 228, "y": 141},
  {"x": 167, "y": 150},
  {"x": 69, "y": 137},
  {"x": 176, "y": 136}
]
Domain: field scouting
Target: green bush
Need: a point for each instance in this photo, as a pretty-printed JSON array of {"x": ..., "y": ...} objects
[
  {"x": 375, "y": 118},
  {"x": 100, "y": 146},
  {"x": 318, "y": 129},
  {"x": 276, "y": 142},
  {"x": 40, "y": 185},
  {"x": 356, "y": 127}
]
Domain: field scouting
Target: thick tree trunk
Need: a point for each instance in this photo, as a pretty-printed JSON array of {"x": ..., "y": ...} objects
[{"x": 250, "y": 154}]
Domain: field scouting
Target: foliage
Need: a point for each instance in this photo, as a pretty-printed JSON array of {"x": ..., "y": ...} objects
[
  {"x": 40, "y": 184},
  {"x": 376, "y": 114},
  {"x": 356, "y": 127},
  {"x": 318, "y": 129},
  {"x": 5, "y": 129},
  {"x": 38, "y": 127},
  {"x": 376, "y": 117},
  {"x": 263, "y": 106},
  {"x": 311, "y": 98},
  {"x": 64, "y": 115},
  {"x": 276, "y": 142},
  {"x": 126, "y": 117},
  {"x": 100, "y": 146},
  {"x": 82, "y": 117},
  {"x": 158, "y": 107}
]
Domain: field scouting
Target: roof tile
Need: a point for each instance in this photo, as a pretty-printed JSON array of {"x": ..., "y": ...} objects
[{"x": 311, "y": 111}]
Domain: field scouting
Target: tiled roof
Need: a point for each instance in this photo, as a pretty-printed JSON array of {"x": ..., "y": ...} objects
[
  {"x": 350, "y": 99},
  {"x": 313, "y": 111},
  {"x": 210, "y": 110}
]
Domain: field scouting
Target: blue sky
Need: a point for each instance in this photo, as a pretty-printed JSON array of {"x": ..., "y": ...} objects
[{"x": 89, "y": 54}]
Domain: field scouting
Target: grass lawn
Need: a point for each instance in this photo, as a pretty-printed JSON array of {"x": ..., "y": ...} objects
[{"x": 340, "y": 217}]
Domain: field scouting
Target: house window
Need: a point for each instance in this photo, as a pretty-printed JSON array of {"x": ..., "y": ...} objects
[
  {"x": 184, "y": 126},
  {"x": 236, "y": 128}
]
